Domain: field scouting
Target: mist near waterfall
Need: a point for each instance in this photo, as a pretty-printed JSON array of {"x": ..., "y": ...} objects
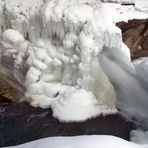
[{"x": 131, "y": 90}]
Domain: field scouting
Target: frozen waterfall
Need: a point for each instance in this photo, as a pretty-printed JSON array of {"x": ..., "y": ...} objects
[{"x": 56, "y": 52}]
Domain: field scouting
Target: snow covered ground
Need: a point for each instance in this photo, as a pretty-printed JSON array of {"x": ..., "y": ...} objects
[{"x": 93, "y": 141}]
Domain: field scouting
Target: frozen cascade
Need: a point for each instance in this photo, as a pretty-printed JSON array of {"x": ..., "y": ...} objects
[
  {"x": 130, "y": 83},
  {"x": 54, "y": 46}
]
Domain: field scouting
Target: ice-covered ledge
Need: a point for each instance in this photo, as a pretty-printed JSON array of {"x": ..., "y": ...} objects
[{"x": 54, "y": 45}]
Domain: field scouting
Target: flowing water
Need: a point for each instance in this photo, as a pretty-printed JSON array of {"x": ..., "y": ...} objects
[{"x": 131, "y": 90}]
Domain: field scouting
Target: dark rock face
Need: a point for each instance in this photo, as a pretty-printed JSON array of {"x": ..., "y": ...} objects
[
  {"x": 21, "y": 123},
  {"x": 9, "y": 93},
  {"x": 135, "y": 36}
]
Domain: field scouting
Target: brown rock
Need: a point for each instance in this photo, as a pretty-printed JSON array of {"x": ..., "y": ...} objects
[
  {"x": 7, "y": 91},
  {"x": 135, "y": 36},
  {"x": 10, "y": 90}
]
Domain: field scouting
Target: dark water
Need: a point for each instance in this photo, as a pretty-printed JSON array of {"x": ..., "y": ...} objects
[{"x": 21, "y": 123}]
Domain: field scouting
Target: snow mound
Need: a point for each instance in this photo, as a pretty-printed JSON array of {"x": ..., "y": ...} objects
[{"x": 80, "y": 142}]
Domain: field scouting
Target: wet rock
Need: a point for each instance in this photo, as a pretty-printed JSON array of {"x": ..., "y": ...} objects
[
  {"x": 20, "y": 123},
  {"x": 4, "y": 101},
  {"x": 7, "y": 92},
  {"x": 11, "y": 91},
  {"x": 135, "y": 36}
]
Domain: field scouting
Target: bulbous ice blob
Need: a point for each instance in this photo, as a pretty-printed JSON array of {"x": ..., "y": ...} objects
[
  {"x": 12, "y": 38},
  {"x": 75, "y": 105}
]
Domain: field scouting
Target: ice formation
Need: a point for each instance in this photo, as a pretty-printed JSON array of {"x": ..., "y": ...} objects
[
  {"x": 139, "y": 137},
  {"x": 54, "y": 46},
  {"x": 131, "y": 90}
]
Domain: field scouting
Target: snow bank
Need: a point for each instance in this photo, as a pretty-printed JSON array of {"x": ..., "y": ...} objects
[
  {"x": 120, "y": 1},
  {"x": 80, "y": 142},
  {"x": 55, "y": 47},
  {"x": 139, "y": 5},
  {"x": 142, "y": 5},
  {"x": 119, "y": 13}
]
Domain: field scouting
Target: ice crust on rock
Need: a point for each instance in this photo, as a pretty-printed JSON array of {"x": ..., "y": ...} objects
[{"x": 55, "y": 46}]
